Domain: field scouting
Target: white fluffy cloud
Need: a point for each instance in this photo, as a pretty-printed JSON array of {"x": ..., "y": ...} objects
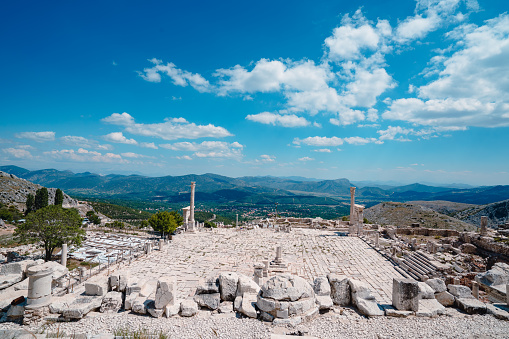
[
  {"x": 170, "y": 129},
  {"x": 18, "y": 153},
  {"x": 304, "y": 159},
  {"x": 391, "y": 132},
  {"x": 267, "y": 158},
  {"x": 118, "y": 137},
  {"x": 323, "y": 150},
  {"x": 83, "y": 155},
  {"x": 73, "y": 140},
  {"x": 37, "y": 136},
  {"x": 208, "y": 149},
  {"x": 319, "y": 141},
  {"x": 148, "y": 145},
  {"x": 178, "y": 76},
  {"x": 285, "y": 120}
]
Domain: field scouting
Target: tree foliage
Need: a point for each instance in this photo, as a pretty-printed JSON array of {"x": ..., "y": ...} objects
[
  {"x": 165, "y": 222},
  {"x": 53, "y": 226},
  {"x": 59, "y": 197},
  {"x": 30, "y": 203},
  {"x": 93, "y": 218},
  {"x": 10, "y": 214},
  {"x": 41, "y": 198}
]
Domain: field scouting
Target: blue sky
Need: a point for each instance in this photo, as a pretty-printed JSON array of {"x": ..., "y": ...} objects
[{"x": 412, "y": 91}]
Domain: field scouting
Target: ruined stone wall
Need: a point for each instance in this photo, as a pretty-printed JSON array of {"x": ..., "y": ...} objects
[{"x": 430, "y": 232}]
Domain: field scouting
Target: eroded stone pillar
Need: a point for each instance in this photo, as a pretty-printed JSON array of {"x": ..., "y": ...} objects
[
  {"x": 279, "y": 254},
  {"x": 484, "y": 225},
  {"x": 63, "y": 257},
  {"x": 258, "y": 273},
  {"x": 377, "y": 239},
  {"x": 475, "y": 289},
  {"x": 39, "y": 285},
  {"x": 192, "y": 225},
  {"x": 353, "y": 218},
  {"x": 161, "y": 244}
]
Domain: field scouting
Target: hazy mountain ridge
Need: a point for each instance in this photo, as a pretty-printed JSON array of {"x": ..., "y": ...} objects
[{"x": 217, "y": 187}]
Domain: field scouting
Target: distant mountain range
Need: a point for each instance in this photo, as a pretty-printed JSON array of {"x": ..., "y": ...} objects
[{"x": 267, "y": 189}]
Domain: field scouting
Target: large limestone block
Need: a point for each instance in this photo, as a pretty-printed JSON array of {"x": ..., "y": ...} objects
[
  {"x": 171, "y": 310},
  {"x": 228, "y": 285},
  {"x": 208, "y": 286},
  {"x": 301, "y": 306},
  {"x": 113, "y": 282},
  {"x": 405, "y": 294},
  {"x": 82, "y": 306},
  {"x": 287, "y": 287},
  {"x": 12, "y": 268},
  {"x": 324, "y": 302},
  {"x": 425, "y": 291},
  {"x": 322, "y": 287},
  {"x": 129, "y": 300},
  {"x": 265, "y": 304},
  {"x": 9, "y": 280},
  {"x": 460, "y": 291},
  {"x": 226, "y": 306},
  {"x": 471, "y": 305},
  {"x": 497, "y": 275},
  {"x": 123, "y": 281},
  {"x": 188, "y": 308},
  {"x": 369, "y": 307},
  {"x": 134, "y": 286},
  {"x": 112, "y": 302},
  {"x": 99, "y": 287},
  {"x": 237, "y": 303},
  {"x": 360, "y": 289},
  {"x": 153, "y": 311},
  {"x": 210, "y": 301},
  {"x": 58, "y": 270},
  {"x": 437, "y": 284},
  {"x": 246, "y": 285},
  {"x": 429, "y": 308},
  {"x": 148, "y": 288},
  {"x": 248, "y": 305},
  {"x": 165, "y": 292},
  {"x": 140, "y": 305},
  {"x": 445, "y": 298}
]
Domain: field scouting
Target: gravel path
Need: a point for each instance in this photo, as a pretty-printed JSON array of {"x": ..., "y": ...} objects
[{"x": 332, "y": 325}]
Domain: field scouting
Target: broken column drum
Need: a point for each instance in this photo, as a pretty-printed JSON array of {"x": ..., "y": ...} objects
[
  {"x": 63, "y": 256},
  {"x": 352, "y": 205},
  {"x": 191, "y": 208},
  {"x": 484, "y": 225},
  {"x": 39, "y": 285}
]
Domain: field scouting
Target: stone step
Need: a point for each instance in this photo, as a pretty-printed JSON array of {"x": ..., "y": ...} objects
[
  {"x": 426, "y": 259},
  {"x": 416, "y": 269},
  {"x": 410, "y": 271},
  {"x": 421, "y": 264}
]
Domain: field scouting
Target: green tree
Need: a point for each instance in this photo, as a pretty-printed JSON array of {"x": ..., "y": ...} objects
[
  {"x": 59, "y": 197},
  {"x": 93, "y": 218},
  {"x": 30, "y": 204},
  {"x": 53, "y": 226},
  {"x": 165, "y": 222},
  {"x": 41, "y": 198},
  {"x": 144, "y": 224},
  {"x": 209, "y": 224}
]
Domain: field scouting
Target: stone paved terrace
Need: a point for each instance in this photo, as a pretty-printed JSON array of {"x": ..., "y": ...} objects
[{"x": 311, "y": 253}]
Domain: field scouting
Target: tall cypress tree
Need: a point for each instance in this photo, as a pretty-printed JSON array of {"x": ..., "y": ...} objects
[
  {"x": 41, "y": 198},
  {"x": 59, "y": 197},
  {"x": 30, "y": 204}
]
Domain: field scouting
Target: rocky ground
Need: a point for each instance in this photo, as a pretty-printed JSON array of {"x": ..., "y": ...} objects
[{"x": 349, "y": 324}]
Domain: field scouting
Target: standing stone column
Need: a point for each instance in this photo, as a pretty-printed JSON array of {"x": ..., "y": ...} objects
[
  {"x": 39, "y": 285},
  {"x": 475, "y": 289},
  {"x": 258, "y": 273},
  {"x": 484, "y": 224},
  {"x": 191, "y": 209},
  {"x": 507, "y": 294},
  {"x": 63, "y": 257},
  {"x": 377, "y": 239},
  {"x": 237, "y": 221},
  {"x": 352, "y": 205}
]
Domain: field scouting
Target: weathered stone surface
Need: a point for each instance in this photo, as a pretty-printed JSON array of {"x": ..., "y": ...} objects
[
  {"x": 171, "y": 310},
  {"x": 289, "y": 321},
  {"x": 140, "y": 305},
  {"x": 248, "y": 305},
  {"x": 98, "y": 287},
  {"x": 165, "y": 292},
  {"x": 208, "y": 286},
  {"x": 360, "y": 289},
  {"x": 228, "y": 285},
  {"x": 287, "y": 287},
  {"x": 134, "y": 286},
  {"x": 471, "y": 305},
  {"x": 9, "y": 280},
  {"x": 225, "y": 307},
  {"x": 237, "y": 303},
  {"x": 498, "y": 275},
  {"x": 429, "y": 308},
  {"x": 324, "y": 302},
  {"x": 112, "y": 302},
  {"x": 405, "y": 294},
  {"x": 155, "y": 312},
  {"x": 460, "y": 291},
  {"x": 437, "y": 284},
  {"x": 122, "y": 282},
  {"x": 445, "y": 298},
  {"x": 148, "y": 288},
  {"x": 264, "y": 316},
  {"x": 265, "y": 304},
  {"x": 16, "y": 311},
  {"x": 129, "y": 300},
  {"x": 390, "y": 312},
  {"x": 425, "y": 291},
  {"x": 468, "y": 248},
  {"x": 188, "y": 308},
  {"x": 82, "y": 306},
  {"x": 322, "y": 287},
  {"x": 499, "y": 311},
  {"x": 246, "y": 285},
  {"x": 113, "y": 282},
  {"x": 301, "y": 306},
  {"x": 369, "y": 307},
  {"x": 210, "y": 301}
]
